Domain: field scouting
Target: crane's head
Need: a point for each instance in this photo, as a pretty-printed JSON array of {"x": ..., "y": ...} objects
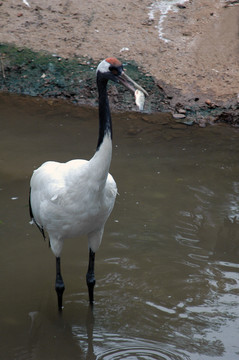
[{"x": 112, "y": 69}]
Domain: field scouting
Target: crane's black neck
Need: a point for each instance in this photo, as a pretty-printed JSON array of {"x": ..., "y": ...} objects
[{"x": 105, "y": 125}]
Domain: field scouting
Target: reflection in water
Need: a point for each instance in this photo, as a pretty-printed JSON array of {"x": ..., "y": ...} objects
[
  {"x": 109, "y": 346},
  {"x": 167, "y": 273},
  {"x": 90, "y": 328}
]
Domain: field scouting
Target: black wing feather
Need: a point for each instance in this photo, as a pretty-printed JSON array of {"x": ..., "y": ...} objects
[{"x": 32, "y": 217}]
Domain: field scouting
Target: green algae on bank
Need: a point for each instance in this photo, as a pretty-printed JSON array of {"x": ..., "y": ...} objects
[
  {"x": 23, "y": 71},
  {"x": 40, "y": 74}
]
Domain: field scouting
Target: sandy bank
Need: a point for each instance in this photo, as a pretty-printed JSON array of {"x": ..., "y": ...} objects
[{"x": 197, "y": 66}]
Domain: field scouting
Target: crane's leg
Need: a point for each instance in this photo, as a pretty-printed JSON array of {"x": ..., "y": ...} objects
[
  {"x": 60, "y": 287},
  {"x": 90, "y": 276}
]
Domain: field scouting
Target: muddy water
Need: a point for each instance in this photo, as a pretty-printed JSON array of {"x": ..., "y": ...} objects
[{"x": 168, "y": 268}]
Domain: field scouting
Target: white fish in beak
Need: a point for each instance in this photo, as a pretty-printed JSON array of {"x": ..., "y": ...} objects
[{"x": 139, "y": 99}]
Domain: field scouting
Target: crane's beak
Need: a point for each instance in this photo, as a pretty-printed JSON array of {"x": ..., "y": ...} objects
[{"x": 130, "y": 83}]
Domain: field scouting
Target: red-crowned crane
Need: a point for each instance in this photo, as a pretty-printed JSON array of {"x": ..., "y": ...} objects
[{"x": 76, "y": 198}]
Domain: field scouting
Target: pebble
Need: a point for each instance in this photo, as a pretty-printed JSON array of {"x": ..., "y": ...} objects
[
  {"x": 124, "y": 49},
  {"x": 181, "y": 6},
  {"x": 208, "y": 102},
  {"x": 202, "y": 123},
  {"x": 179, "y": 116},
  {"x": 181, "y": 111}
]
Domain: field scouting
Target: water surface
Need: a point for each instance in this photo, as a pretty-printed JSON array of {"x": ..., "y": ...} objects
[{"x": 168, "y": 269}]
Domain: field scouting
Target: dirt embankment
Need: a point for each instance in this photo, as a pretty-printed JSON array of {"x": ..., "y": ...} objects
[{"x": 191, "y": 69}]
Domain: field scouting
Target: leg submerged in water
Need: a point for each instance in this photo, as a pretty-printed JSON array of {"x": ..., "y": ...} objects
[
  {"x": 59, "y": 286},
  {"x": 90, "y": 276}
]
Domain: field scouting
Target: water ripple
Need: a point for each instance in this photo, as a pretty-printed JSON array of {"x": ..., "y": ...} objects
[{"x": 138, "y": 349}]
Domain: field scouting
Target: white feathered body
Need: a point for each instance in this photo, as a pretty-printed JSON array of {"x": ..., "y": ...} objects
[{"x": 74, "y": 198}]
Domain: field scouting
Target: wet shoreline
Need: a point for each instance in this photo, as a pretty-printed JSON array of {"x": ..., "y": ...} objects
[{"x": 26, "y": 72}]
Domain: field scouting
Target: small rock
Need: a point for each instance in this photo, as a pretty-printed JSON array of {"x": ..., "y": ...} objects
[
  {"x": 181, "y": 111},
  {"x": 148, "y": 22},
  {"x": 189, "y": 122},
  {"x": 202, "y": 123},
  {"x": 179, "y": 116},
  {"x": 210, "y": 104},
  {"x": 124, "y": 49},
  {"x": 181, "y": 6},
  {"x": 211, "y": 120},
  {"x": 185, "y": 121},
  {"x": 187, "y": 33},
  {"x": 19, "y": 14}
]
